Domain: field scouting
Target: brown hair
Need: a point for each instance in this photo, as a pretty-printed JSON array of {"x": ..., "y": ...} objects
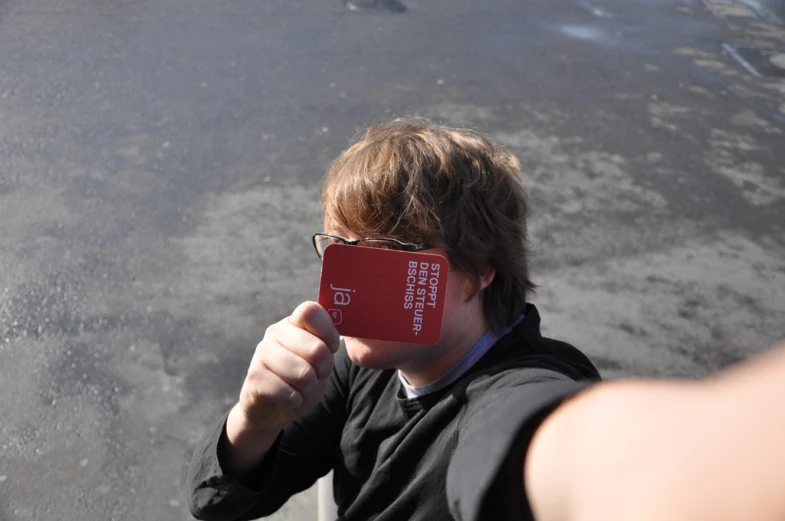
[{"x": 449, "y": 188}]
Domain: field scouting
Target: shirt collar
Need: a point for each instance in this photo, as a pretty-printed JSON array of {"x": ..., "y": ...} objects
[{"x": 483, "y": 345}]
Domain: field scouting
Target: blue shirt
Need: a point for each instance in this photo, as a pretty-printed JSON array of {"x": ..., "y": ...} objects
[{"x": 483, "y": 345}]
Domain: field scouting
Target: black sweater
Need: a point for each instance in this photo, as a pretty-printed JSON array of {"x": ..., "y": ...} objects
[{"x": 391, "y": 454}]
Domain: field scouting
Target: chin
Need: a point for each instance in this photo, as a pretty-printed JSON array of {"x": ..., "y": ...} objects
[{"x": 377, "y": 354}]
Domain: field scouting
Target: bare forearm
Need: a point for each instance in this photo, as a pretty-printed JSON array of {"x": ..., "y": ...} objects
[
  {"x": 245, "y": 445},
  {"x": 650, "y": 450}
]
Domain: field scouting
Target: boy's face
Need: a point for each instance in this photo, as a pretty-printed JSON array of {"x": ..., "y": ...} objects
[{"x": 459, "y": 315}]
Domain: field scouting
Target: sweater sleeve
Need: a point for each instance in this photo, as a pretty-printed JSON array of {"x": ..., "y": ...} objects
[
  {"x": 485, "y": 476},
  {"x": 304, "y": 451}
]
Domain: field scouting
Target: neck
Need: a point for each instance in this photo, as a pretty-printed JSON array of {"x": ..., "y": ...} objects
[{"x": 443, "y": 356}]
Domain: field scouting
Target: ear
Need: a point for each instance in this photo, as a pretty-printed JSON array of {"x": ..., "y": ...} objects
[
  {"x": 485, "y": 281},
  {"x": 487, "y": 278}
]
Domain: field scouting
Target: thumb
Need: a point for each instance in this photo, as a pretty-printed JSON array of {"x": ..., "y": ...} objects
[{"x": 313, "y": 318}]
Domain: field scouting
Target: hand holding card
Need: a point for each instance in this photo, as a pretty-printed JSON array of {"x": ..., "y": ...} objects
[{"x": 384, "y": 294}]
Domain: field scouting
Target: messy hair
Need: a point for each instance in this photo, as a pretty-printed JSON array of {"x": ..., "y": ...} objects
[{"x": 449, "y": 188}]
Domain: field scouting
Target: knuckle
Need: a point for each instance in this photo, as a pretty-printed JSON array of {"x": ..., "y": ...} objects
[
  {"x": 263, "y": 345},
  {"x": 278, "y": 393},
  {"x": 290, "y": 397},
  {"x": 256, "y": 373},
  {"x": 318, "y": 351},
  {"x": 295, "y": 397},
  {"x": 271, "y": 331},
  {"x": 305, "y": 374},
  {"x": 322, "y": 360}
]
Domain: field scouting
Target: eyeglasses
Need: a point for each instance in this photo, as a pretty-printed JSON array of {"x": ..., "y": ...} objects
[{"x": 322, "y": 240}]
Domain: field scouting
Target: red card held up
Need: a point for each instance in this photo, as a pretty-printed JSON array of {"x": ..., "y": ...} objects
[{"x": 384, "y": 294}]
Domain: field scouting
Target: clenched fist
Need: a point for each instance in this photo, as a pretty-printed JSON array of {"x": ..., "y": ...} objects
[
  {"x": 289, "y": 370},
  {"x": 287, "y": 376}
]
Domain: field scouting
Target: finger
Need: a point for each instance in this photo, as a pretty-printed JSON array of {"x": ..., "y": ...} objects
[
  {"x": 312, "y": 399},
  {"x": 308, "y": 347},
  {"x": 291, "y": 368},
  {"x": 271, "y": 387},
  {"x": 314, "y": 318}
]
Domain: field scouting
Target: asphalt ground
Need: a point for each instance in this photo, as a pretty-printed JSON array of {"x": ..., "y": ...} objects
[{"x": 160, "y": 165}]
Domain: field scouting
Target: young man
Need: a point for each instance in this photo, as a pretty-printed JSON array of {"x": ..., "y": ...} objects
[{"x": 494, "y": 421}]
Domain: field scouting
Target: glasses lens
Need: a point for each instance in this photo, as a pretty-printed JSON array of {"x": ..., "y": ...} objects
[{"x": 322, "y": 242}]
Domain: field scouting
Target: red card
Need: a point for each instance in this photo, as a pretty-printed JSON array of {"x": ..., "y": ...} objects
[{"x": 384, "y": 294}]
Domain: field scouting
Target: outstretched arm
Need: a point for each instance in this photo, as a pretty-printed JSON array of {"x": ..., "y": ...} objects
[{"x": 658, "y": 450}]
